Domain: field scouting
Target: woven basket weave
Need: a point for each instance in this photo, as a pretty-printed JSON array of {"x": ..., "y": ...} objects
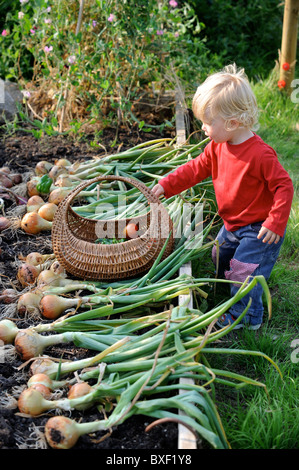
[{"x": 73, "y": 238}]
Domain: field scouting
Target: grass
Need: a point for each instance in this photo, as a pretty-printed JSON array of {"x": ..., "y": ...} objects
[{"x": 252, "y": 418}]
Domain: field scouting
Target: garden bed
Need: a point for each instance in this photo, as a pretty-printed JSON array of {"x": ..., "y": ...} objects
[{"x": 21, "y": 152}]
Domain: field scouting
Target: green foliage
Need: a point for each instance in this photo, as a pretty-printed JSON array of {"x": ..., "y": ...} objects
[
  {"x": 248, "y": 33},
  {"x": 100, "y": 66}
]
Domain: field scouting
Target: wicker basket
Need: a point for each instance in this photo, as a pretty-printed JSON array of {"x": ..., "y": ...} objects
[{"x": 73, "y": 238}]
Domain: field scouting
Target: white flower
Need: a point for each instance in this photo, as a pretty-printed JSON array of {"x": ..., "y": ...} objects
[{"x": 21, "y": 15}]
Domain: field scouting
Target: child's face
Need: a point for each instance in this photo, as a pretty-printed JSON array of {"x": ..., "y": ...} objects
[{"x": 215, "y": 129}]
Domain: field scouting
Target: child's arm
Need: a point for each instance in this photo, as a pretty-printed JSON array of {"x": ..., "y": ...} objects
[{"x": 158, "y": 189}]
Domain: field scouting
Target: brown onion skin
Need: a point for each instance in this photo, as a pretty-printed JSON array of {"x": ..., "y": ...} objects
[
  {"x": 27, "y": 344},
  {"x": 27, "y": 274},
  {"x": 61, "y": 432},
  {"x": 79, "y": 390},
  {"x": 30, "y": 402},
  {"x": 45, "y": 391}
]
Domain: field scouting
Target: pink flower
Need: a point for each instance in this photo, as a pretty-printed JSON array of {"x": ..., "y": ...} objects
[
  {"x": 72, "y": 59},
  {"x": 48, "y": 21},
  {"x": 160, "y": 32},
  {"x": 21, "y": 15},
  {"x": 4, "y": 32},
  {"x": 94, "y": 23},
  {"x": 176, "y": 34},
  {"x": 111, "y": 17},
  {"x": 32, "y": 31},
  {"x": 48, "y": 48},
  {"x": 24, "y": 1},
  {"x": 173, "y": 3},
  {"x": 26, "y": 94},
  {"x": 48, "y": 9}
]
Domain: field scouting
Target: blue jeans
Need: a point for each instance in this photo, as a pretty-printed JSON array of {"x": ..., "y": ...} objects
[{"x": 242, "y": 254}]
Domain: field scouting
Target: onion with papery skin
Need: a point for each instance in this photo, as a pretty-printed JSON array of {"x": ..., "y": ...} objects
[
  {"x": 31, "y": 402},
  {"x": 61, "y": 432},
  {"x": 43, "y": 167},
  {"x": 80, "y": 389},
  {"x": 64, "y": 181},
  {"x": 47, "y": 211},
  {"x": 31, "y": 186},
  {"x": 8, "y": 296},
  {"x": 27, "y": 274},
  {"x": 8, "y": 331},
  {"x": 5, "y": 223},
  {"x": 49, "y": 278},
  {"x": 29, "y": 343},
  {"x": 5, "y": 169},
  {"x": 37, "y": 258},
  {"x": 29, "y": 303},
  {"x": 33, "y": 223},
  {"x": 131, "y": 231},
  {"x": 43, "y": 366},
  {"x": 63, "y": 162},
  {"x": 58, "y": 269},
  {"x": 56, "y": 171},
  {"x": 5, "y": 181},
  {"x": 57, "y": 195},
  {"x": 52, "y": 306},
  {"x": 34, "y": 203},
  {"x": 45, "y": 391},
  {"x": 45, "y": 380},
  {"x": 16, "y": 178}
]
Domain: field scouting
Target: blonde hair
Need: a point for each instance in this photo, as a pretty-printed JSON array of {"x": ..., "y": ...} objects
[{"x": 227, "y": 94}]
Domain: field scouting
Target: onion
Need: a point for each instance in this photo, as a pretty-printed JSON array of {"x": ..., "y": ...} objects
[
  {"x": 8, "y": 331},
  {"x": 56, "y": 171},
  {"x": 34, "y": 203},
  {"x": 29, "y": 343},
  {"x": 29, "y": 303},
  {"x": 43, "y": 167},
  {"x": 4, "y": 223},
  {"x": 63, "y": 181},
  {"x": 47, "y": 211},
  {"x": 31, "y": 402},
  {"x": 43, "y": 390},
  {"x": 63, "y": 162},
  {"x": 57, "y": 195},
  {"x": 79, "y": 390},
  {"x": 27, "y": 274},
  {"x": 43, "y": 366},
  {"x": 131, "y": 231},
  {"x": 48, "y": 277},
  {"x": 16, "y": 178},
  {"x": 8, "y": 296},
  {"x": 62, "y": 432},
  {"x": 37, "y": 258},
  {"x": 31, "y": 186},
  {"x": 5, "y": 181},
  {"x": 33, "y": 223},
  {"x": 45, "y": 380},
  {"x": 52, "y": 306},
  {"x": 58, "y": 269}
]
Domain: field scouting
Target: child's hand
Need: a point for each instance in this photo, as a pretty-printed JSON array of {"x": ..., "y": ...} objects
[
  {"x": 158, "y": 190},
  {"x": 268, "y": 235}
]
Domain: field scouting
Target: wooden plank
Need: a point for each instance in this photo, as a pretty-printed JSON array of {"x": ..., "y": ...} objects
[{"x": 186, "y": 439}]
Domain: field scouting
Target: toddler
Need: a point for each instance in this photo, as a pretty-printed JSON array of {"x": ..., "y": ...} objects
[{"x": 253, "y": 191}]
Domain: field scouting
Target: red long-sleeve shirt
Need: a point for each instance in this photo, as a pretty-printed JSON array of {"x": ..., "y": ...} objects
[{"x": 250, "y": 184}]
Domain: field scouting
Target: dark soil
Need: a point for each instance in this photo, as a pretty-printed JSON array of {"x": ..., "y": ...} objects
[{"x": 21, "y": 152}]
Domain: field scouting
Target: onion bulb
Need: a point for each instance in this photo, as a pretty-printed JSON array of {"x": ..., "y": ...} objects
[
  {"x": 8, "y": 296},
  {"x": 48, "y": 277},
  {"x": 8, "y": 331},
  {"x": 43, "y": 167},
  {"x": 57, "y": 195},
  {"x": 5, "y": 223},
  {"x": 58, "y": 269},
  {"x": 5, "y": 181},
  {"x": 43, "y": 390},
  {"x": 52, "y": 306},
  {"x": 63, "y": 162},
  {"x": 27, "y": 274},
  {"x": 37, "y": 258},
  {"x": 56, "y": 171},
  {"x": 29, "y": 303},
  {"x": 78, "y": 390},
  {"x": 31, "y": 186},
  {"x": 63, "y": 181},
  {"x": 62, "y": 432},
  {"x": 31, "y": 402},
  {"x": 33, "y": 223},
  {"x": 47, "y": 211},
  {"x": 131, "y": 231},
  {"x": 34, "y": 203},
  {"x": 45, "y": 380},
  {"x": 29, "y": 343}
]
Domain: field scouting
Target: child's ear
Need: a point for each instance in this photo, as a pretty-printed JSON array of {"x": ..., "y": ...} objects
[{"x": 232, "y": 124}]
